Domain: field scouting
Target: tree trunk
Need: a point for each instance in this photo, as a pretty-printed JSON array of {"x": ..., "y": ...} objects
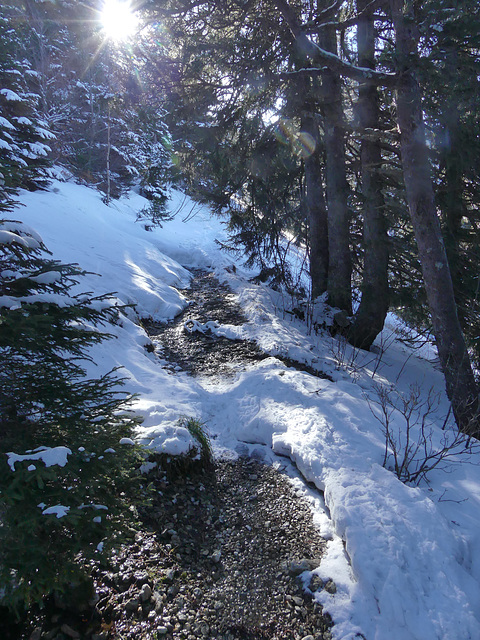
[
  {"x": 460, "y": 382},
  {"x": 316, "y": 208},
  {"x": 370, "y": 317},
  {"x": 340, "y": 265}
]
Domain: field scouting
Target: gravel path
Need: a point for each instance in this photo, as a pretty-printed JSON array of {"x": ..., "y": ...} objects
[
  {"x": 203, "y": 353},
  {"x": 220, "y": 559}
]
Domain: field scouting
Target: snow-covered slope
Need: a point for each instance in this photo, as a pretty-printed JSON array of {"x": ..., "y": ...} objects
[{"x": 406, "y": 560}]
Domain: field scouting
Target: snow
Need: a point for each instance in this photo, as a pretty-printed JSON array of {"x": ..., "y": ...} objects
[
  {"x": 50, "y": 456},
  {"x": 10, "y": 95},
  {"x": 405, "y": 559},
  {"x": 58, "y": 510}
]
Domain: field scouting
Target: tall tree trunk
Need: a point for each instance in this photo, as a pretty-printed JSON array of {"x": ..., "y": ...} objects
[
  {"x": 316, "y": 207},
  {"x": 460, "y": 382},
  {"x": 370, "y": 317},
  {"x": 450, "y": 197},
  {"x": 340, "y": 264},
  {"x": 452, "y": 205}
]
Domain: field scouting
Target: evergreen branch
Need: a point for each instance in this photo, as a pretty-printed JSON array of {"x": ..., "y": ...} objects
[{"x": 331, "y": 60}]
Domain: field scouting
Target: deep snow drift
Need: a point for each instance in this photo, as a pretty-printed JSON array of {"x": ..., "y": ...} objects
[{"x": 406, "y": 560}]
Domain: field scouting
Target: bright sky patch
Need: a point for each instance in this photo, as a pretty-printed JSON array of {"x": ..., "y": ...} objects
[{"x": 118, "y": 19}]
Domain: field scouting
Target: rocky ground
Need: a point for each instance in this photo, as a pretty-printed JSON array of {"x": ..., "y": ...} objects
[
  {"x": 218, "y": 553},
  {"x": 204, "y": 353}
]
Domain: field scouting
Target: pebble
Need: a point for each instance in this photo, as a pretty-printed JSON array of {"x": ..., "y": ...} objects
[
  {"x": 330, "y": 587},
  {"x": 162, "y": 631},
  {"x": 216, "y": 555},
  {"x": 145, "y": 593},
  {"x": 132, "y": 605},
  {"x": 296, "y": 567}
]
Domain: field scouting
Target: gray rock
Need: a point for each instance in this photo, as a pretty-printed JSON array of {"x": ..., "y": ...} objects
[
  {"x": 197, "y": 593},
  {"x": 145, "y": 593},
  {"x": 296, "y": 567},
  {"x": 216, "y": 555},
  {"x": 315, "y": 583},
  {"x": 341, "y": 319},
  {"x": 132, "y": 605},
  {"x": 258, "y": 454},
  {"x": 170, "y": 575},
  {"x": 330, "y": 587},
  {"x": 161, "y": 631}
]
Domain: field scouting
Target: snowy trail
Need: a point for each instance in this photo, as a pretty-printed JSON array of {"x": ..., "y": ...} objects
[{"x": 414, "y": 552}]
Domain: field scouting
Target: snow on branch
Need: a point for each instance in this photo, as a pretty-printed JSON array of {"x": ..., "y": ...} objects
[{"x": 331, "y": 60}]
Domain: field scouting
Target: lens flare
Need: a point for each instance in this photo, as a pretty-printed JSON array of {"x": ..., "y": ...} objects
[{"x": 301, "y": 142}]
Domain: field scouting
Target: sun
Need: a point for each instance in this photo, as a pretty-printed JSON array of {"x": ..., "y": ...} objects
[{"x": 118, "y": 19}]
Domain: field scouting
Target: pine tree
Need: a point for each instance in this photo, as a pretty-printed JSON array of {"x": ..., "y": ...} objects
[
  {"x": 54, "y": 516},
  {"x": 24, "y": 135}
]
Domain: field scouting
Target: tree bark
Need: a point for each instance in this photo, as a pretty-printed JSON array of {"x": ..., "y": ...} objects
[
  {"x": 340, "y": 265},
  {"x": 370, "y": 317},
  {"x": 454, "y": 358},
  {"x": 316, "y": 208}
]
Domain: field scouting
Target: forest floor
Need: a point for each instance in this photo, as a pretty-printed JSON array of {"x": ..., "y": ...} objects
[{"x": 219, "y": 552}]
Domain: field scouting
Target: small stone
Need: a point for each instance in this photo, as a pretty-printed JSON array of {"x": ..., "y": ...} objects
[
  {"x": 204, "y": 629},
  {"x": 308, "y": 638},
  {"x": 68, "y": 631},
  {"x": 216, "y": 555},
  {"x": 132, "y": 605},
  {"x": 170, "y": 575},
  {"x": 296, "y": 567},
  {"x": 341, "y": 319},
  {"x": 173, "y": 590},
  {"x": 36, "y": 634},
  {"x": 162, "y": 631},
  {"x": 315, "y": 583},
  {"x": 330, "y": 587},
  {"x": 145, "y": 593}
]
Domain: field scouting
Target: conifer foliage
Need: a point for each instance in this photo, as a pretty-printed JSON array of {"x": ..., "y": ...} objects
[
  {"x": 63, "y": 471},
  {"x": 24, "y": 134}
]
